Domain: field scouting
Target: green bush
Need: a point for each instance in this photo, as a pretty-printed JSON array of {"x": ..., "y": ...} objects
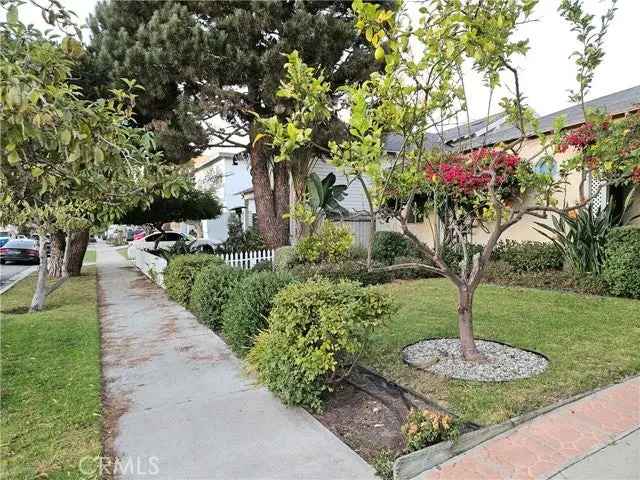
[
  {"x": 622, "y": 262},
  {"x": 453, "y": 255},
  {"x": 180, "y": 274},
  {"x": 501, "y": 273},
  {"x": 211, "y": 291},
  {"x": 317, "y": 329},
  {"x": 390, "y": 245},
  {"x": 284, "y": 258},
  {"x": 529, "y": 256},
  {"x": 411, "y": 273},
  {"x": 345, "y": 270},
  {"x": 248, "y": 307},
  {"x": 263, "y": 266},
  {"x": 330, "y": 244},
  {"x": 357, "y": 252}
]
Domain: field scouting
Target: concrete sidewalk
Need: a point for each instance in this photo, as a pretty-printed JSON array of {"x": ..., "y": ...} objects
[
  {"x": 178, "y": 405},
  {"x": 594, "y": 438}
]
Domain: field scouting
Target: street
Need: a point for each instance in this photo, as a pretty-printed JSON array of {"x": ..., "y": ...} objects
[{"x": 9, "y": 271}]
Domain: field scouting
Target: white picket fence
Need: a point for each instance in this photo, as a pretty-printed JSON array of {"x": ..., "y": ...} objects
[{"x": 247, "y": 259}]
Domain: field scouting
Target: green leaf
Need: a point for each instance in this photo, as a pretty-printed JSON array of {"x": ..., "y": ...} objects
[
  {"x": 36, "y": 171},
  {"x": 12, "y": 15},
  {"x": 65, "y": 137},
  {"x": 98, "y": 154},
  {"x": 13, "y": 158}
]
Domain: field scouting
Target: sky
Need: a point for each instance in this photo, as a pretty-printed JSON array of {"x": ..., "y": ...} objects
[{"x": 546, "y": 73}]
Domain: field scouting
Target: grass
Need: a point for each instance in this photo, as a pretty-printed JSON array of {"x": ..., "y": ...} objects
[
  {"x": 590, "y": 341},
  {"x": 89, "y": 256},
  {"x": 50, "y": 381}
]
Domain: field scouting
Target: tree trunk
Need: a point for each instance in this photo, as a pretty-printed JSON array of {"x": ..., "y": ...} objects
[
  {"x": 39, "y": 296},
  {"x": 58, "y": 243},
  {"x": 271, "y": 202},
  {"x": 465, "y": 325},
  {"x": 77, "y": 246}
]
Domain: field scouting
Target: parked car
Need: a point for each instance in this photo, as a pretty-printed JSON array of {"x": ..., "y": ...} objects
[
  {"x": 20, "y": 250},
  {"x": 203, "y": 245},
  {"x": 139, "y": 234},
  {"x": 166, "y": 240},
  {"x": 47, "y": 240},
  {"x": 4, "y": 237}
]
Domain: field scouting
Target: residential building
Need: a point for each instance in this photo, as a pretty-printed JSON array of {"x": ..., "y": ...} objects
[
  {"x": 227, "y": 174},
  {"x": 496, "y": 130}
]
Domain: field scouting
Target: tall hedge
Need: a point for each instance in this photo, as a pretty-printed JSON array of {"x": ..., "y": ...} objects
[
  {"x": 388, "y": 246},
  {"x": 622, "y": 262},
  {"x": 249, "y": 306},
  {"x": 180, "y": 274},
  {"x": 211, "y": 290}
]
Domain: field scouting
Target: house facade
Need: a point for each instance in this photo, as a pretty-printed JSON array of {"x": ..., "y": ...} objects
[
  {"x": 496, "y": 130},
  {"x": 227, "y": 174}
]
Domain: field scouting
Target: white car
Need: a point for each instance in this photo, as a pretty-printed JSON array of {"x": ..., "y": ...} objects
[{"x": 166, "y": 240}]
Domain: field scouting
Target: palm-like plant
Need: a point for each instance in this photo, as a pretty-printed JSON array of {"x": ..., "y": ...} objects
[
  {"x": 324, "y": 197},
  {"x": 582, "y": 238}
]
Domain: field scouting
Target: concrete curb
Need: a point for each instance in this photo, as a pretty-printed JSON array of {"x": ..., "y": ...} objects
[
  {"x": 17, "y": 277},
  {"x": 413, "y": 464}
]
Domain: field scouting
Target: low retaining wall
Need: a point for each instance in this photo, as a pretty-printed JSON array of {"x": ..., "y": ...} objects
[{"x": 151, "y": 265}]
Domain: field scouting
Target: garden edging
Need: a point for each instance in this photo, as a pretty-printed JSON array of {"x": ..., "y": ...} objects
[{"x": 413, "y": 464}]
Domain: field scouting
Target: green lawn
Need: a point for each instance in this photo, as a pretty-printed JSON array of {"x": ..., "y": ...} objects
[
  {"x": 89, "y": 256},
  {"x": 51, "y": 410},
  {"x": 590, "y": 341}
]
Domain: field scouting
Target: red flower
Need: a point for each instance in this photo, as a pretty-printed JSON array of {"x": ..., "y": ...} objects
[{"x": 473, "y": 171}]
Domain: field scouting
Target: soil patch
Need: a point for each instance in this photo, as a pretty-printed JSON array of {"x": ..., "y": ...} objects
[{"x": 366, "y": 412}]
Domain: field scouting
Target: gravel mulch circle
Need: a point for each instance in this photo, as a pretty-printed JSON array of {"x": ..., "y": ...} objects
[{"x": 443, "y": 356}]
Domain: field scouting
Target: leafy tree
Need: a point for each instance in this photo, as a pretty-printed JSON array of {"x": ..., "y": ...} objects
[
  {"x": 422, "y": 87},
  {"x": 221, "y": 63},
  {"x": 67, "y": 162},
  {"x": 192, "y": 204}
]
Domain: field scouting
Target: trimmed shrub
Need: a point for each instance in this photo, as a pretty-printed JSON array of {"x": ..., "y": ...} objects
[
  {"x": 317, "y": 329},
  {"x": 248, "y": 307},
  {"x": 357, "y": 252},
  {"x": 529, "y": 256},
  {"x": 411, "y": 273},
  {"x": 180, "y": 274},
  {"x": 622, "y": 262},
  {"x": 284, "y": 258},
  {"x": 330, "y": 244},
  {"x": 453, "y": 255},
  {"x": 390, "y": 245},
  {"x": 501, "y": 273},
  {"x": 346, "y": 270},
  {"x": 211, "y": 290},
  {"x": 263, "y": 266}
]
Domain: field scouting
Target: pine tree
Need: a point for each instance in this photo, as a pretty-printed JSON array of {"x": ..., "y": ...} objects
[{"x": 201, "y": 61}]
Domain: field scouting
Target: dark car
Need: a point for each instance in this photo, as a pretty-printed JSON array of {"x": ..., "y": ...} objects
[{"x": 20, "y": 250}]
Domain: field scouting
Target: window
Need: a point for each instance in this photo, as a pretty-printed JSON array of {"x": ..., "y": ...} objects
[
  {"x": 171, "y": 237},
  {"x": 151, "y": 238},
  {"x": 546, "y": 166}
]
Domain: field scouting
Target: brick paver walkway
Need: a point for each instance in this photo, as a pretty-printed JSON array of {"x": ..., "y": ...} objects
[{"x": 549, "y": 443}]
